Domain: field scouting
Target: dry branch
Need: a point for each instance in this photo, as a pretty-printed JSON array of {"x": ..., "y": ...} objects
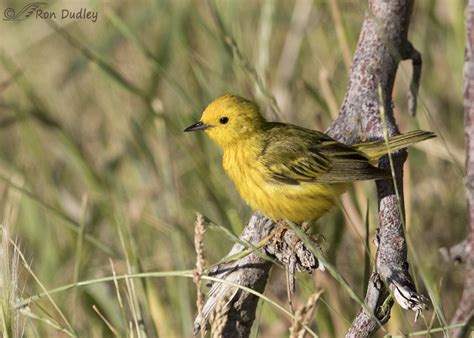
[
  {"x": 458, "y": 253},
  {"x": 238, "y": 313},
  {"x": 382, "y": 45},
  {"x": 464, "y": 312}
]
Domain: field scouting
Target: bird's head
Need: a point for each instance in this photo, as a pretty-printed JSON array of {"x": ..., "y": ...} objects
[{"x": 229, "y": 119}]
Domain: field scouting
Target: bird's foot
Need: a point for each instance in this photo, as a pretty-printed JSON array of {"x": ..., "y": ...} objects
[
  {"x": 279, "y": 231},
  {"x": 288, "y": 248}
]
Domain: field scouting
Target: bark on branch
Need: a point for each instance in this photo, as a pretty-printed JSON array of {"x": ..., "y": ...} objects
[
  {"x": 236, "y": 307},
  {"x": 382, "y": 45},
  {"x": 464, "y": 312}
]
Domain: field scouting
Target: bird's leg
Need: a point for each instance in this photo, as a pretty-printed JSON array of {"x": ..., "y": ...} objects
[
  {"x": 280, "y": 229},
  {"x": 285, "y": 246},
  {"x": 290, "y": 281},
  {"x": 291, "y": 269},
  {"x": 318, "y": 239}
]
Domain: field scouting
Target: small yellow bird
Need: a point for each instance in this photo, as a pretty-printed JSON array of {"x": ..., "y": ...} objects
[{"x": 285, "y": 171}]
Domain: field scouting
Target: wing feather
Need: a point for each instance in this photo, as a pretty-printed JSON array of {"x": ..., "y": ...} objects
[{"x": 293, "y": 155}]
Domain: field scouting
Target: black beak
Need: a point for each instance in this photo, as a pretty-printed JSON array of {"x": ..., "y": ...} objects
[{"x": 198, "y": 126}]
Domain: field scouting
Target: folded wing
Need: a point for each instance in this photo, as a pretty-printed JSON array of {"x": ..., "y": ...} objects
[{"x": 293, "y": 155}]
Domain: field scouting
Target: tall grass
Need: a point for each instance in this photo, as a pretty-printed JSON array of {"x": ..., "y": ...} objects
[{"x": 106, "y": 183}]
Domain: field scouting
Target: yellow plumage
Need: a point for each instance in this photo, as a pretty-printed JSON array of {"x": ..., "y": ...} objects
[
  {"x": 277, "y": 200},
  {"x": 285, "y": 171}
]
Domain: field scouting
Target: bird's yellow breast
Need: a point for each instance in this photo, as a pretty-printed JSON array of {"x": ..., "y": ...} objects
[{"x": 295, "y": 202}]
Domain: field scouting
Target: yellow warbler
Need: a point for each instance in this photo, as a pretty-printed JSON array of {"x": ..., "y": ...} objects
[{"x": 285, "y": 171}]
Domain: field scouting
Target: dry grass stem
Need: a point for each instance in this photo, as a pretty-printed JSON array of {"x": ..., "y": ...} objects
[
  {"x": 341, "y": 33},
  {"x": 200, "y": 264},
  {"x": 218, "y": 317},
  {"x": 290, "y": 54},
  {"x": 304, "y": 315},
  {"x": 9, "y": 267},
  {"x": 117, "y": 290},
  {"x": 9, "y": 287},
  {"x": 43, "y": 288},
  {"x": 249, "y": 69},
  {"x": 327, "y": 92},
  {"x": 109, "y": 325}
]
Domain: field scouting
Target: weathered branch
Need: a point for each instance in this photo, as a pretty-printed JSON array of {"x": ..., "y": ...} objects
[
  {"x": 458, "y": 253},
  {"x": 410, "y": 53},
  {"x": 464, "y": 312},
  {"x": 382, "y": 45},
  {"x": 238, "y": 312}
]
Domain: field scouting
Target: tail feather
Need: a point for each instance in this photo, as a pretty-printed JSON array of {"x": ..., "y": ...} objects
[{"x": 377, "y": 149}]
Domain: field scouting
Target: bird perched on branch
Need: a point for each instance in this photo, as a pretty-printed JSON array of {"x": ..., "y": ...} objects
[{"x": 289, "y": 172}]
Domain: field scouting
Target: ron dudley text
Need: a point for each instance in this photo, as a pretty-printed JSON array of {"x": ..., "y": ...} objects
[{"x": 82, "y": 14}]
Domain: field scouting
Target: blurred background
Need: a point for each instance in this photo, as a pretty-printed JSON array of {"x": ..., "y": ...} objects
[{"x": 97, "y": 177}]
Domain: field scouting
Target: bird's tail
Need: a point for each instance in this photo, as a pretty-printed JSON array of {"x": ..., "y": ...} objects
[{"x": 377, "y": 149}]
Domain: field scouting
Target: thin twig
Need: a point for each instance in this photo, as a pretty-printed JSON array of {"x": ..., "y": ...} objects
[
  {"x": 458, "y": 253},
  {"x": 410, "y": 53}
]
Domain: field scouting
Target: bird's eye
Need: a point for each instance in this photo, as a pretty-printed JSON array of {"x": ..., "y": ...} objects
[{"x": 224, "y": 120}]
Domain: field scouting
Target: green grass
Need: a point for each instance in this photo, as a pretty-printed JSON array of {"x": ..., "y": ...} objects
[{"x": 98, "y": 180}]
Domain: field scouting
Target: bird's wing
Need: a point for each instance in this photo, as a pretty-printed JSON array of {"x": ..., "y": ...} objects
[{"x": 293, "y": 155}]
